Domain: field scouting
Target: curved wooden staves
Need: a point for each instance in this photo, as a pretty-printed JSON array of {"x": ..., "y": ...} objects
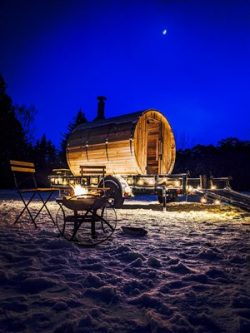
[{"x": 137, "y": 143}]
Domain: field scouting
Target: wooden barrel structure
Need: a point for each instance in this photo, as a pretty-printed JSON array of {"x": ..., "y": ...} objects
[{"x": 137, "y": 143}]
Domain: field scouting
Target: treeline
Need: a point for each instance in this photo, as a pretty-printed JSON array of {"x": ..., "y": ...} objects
[
  {"x": 16, "y": 141},
  {"x": 231, "y": 157}
]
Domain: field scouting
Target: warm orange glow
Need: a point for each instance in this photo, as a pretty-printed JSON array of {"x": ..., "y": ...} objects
[
  {"x": 79, "y": 190},
  {"x": 140, "y": 182}
]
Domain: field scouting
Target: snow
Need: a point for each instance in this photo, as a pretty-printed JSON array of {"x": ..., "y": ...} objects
[{"x": 190, "y": 273}]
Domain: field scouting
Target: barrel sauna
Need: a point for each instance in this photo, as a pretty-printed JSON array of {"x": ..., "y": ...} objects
[{"x": 137, "y": 143}]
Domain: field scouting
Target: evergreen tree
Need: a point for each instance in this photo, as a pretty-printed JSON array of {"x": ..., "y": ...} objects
[
  {"x": 231, "y": 157},
  {"x": 45, "y": 158},
  {"x": 26, "y": 117},
  {"x": 78, "y": 120},
  {"x": 13, "y": 142}
]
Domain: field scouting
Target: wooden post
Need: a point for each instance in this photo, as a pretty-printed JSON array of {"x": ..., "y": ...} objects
[
  {"x": 184, "y": 184},
  {"x": 164, "y": 198},
  {"x": 203, "y": 182}
]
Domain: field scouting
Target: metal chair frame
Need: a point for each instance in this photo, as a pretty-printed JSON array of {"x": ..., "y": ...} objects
[{"x": 28, "y": 169}]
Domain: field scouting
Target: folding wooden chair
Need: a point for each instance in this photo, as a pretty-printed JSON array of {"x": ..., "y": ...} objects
[{"x": 24, "y": 174}]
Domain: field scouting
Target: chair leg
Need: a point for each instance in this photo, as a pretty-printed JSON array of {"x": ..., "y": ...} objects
[
  {"x": 44, "y": 206},
  {"x": 26, "y": 204},
  {"x": 26, "y": 208},
  {"x": 76, "y": 228},
  {"x": 93, "y": 233}
]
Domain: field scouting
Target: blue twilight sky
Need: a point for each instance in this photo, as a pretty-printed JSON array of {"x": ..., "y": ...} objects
[{"x": 58, "y": 55}]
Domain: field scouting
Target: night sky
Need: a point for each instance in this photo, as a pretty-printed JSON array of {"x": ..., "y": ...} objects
[{"x": 60, "y": 55}]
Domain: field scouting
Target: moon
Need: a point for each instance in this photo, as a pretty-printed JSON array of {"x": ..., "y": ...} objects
[{"x": 164, "y": 32}]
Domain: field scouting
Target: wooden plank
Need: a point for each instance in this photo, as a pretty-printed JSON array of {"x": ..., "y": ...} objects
[
  {"x": 92, "y": 167},
  {"x": 94, "y": 174},
  {"x": 22, "y": 163},
  {"x": 92, "y": 171},
  {"x": 22, "y": 169},
  {"x": 39, "y": 189}
]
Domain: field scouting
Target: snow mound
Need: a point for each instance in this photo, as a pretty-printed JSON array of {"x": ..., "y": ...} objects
[
  {"x": 106, "y": 294},
  {"x": 36, "y": 284}
]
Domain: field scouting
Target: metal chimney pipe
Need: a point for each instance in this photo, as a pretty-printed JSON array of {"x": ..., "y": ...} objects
[{"x": 101, "y": 107}]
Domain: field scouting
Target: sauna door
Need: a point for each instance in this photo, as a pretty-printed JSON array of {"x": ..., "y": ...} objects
[{"x": 153, "y": 142}]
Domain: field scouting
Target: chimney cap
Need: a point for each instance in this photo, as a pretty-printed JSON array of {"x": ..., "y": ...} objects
[{"x": 100, "y": 98}]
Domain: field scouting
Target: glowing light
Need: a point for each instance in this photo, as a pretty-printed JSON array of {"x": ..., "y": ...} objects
[
  {"x": 164, "y": 32},
  {"x": 140, "y": 182},
  {"x": 130, "y": 181},
  {"x": 79, "y": 190},
  {"x": 203, "y": 200},
  {"x": 150, "y": 181},
  {"x": 213, "y": 187},
  {"x": 190, "y": 188},
  {"x": 59, "y": 180},
  {"x": 217, "y": 202},
  {"x": 177, "y": 183},
  {"x": 94, "y": 181},
  {"x": 127, "y": 191}
]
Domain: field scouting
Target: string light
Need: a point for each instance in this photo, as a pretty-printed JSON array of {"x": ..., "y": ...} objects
[{"x": 203, "y": 200}]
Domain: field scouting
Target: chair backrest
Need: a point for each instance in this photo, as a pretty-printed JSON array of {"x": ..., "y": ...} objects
[
  {"x": 20, "y": 168},
  {"x": 98, "y": 171},
  {"x": 92, "y": 170}
]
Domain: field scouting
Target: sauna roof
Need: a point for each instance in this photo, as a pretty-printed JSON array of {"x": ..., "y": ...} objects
[{"x": 130, "y": 117}]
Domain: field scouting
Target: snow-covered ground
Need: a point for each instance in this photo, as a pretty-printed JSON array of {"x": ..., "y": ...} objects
[{"x": 191, "y": 273}]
